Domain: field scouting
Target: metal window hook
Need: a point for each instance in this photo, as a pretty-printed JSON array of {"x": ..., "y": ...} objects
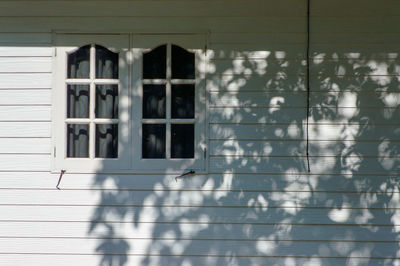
[
  {"x": 59, "y": 179},
  {"x": 191, "y": 172}
]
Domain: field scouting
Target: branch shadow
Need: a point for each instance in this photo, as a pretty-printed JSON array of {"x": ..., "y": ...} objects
[{"x": 258, "y": 204}]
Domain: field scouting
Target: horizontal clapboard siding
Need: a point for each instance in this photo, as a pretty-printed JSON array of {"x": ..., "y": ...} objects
[
  {"x": 258, "y": 204},
  {"x": 25, "y": 145},
  {"x": 203, "y": 247},
  {"x": 25, "y": 97},
  {"x": 49, "y": 229},
  {"x": 25, "y": 64},
  {"x": 154, "y": 8},
  {"x": 25, "y": 113},
  {"x": 205, "y": 215},
  {"x": 25, "y": 129},
  {"x": 223, "y": 183},
  {"x": 288, "y": 114},
  {"x": 25, "y": 81},
  {"x": 86, "y": 259}
]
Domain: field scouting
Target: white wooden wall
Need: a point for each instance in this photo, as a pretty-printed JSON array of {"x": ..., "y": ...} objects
[{"x": 258, "y": 205}]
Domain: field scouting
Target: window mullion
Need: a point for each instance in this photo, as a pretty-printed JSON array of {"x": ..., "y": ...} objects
[
  {"x": 168, "y": 104},
  {"x": 92, "y": 101}
]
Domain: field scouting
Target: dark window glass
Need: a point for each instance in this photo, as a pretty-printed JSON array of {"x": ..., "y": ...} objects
[
  {"x": 106, "y": 141},
  {"x": 182, "y": 141},
  {"x": 153, "y": 101},
  {"x": 79, "y": 63},
  {"x": 78, "y": 101},
  {"x": 78, "y": 140},
  {"x": 107, "y": 101},
  {"x": 106, "y": 63},
  {"x": 153, "y": 141},
  {"x": 182, "y": 102},
  {"x": 182, "y": 64},
  {"x": 155, "y": 63}
]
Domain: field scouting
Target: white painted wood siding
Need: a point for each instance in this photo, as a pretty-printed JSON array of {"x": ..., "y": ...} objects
[{"x": 258, "y": 205}]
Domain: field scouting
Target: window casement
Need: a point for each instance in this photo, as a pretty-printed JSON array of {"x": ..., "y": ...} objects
[{"x": 129, "y": 105}]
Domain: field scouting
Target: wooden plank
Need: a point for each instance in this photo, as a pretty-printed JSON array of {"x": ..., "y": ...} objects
[
  {"x": 212, "y": 231},
  {"x": 290, "y": 38},
  {"x": 25, "y": 81},
  {"x": 204, "y": 248},
  {"x": 283, "y": 114},
  {"x": 358, "y": 8},
  {"x": 350, "y": 24},
  {"x": 356, "y": 164},
  {"x": 359, "y": 38},
  {"x": 25, "y": 38},
  {"x": 193, "y": 215},
  {"x": 58, "y": 259},
  {"x": 287, "y": 67},
  {"x": 155, "y": 24},
  {"x": 257, "y": 8},
  {"x": 236, "y": 83},
  {"x": 25, "y": 129},
  {"x": 95, "y": 259},
  {"x": 285, "y": 148},
  {"x": 247, "y": 201},
  {"x": 24, "y": 51},
  {"x": 317, "y": 132},
  {"x": 25, "y": 162},
  {"x": 25, "y": 97},
  {"x": 27, "y": 145},
  {"x": 25, "y": 64},
  {"x": 289, "y": 180},
  {"x": 257, "y": 67},
  {"x": 257, "y": 99},
  {"x": 364, "y": 49},
  {"x": 248, "y": 50},
  {"x": 25, "y": 113},
  {"x": 257, "y": 38}
]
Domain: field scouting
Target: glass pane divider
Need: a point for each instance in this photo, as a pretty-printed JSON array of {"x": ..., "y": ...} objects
[
  {"x": 105, "y": 121},
  {"x": 168, "y": 104},
  {"x": 92, "y": 103},
  {"x": 155, "y": 81},
  {"x": 77, "y": 120},
  {"x": 182, "y": 121},
  {"x": 78, "y": 81},
  {"x": 153, "y": 121},
  {"x": 183, "y": 81},
  {"x": 106, "y": 81}
]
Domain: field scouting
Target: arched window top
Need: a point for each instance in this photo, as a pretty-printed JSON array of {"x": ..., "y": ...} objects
[
  {"x": 106, "y": 63},
  {"x": 79, "y": 63},
  {"x": 182, "y": 63},
  {"x": 155, "y": 63}
]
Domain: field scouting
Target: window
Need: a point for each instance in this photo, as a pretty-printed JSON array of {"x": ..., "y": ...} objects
[{"x": 129, "y": 105}]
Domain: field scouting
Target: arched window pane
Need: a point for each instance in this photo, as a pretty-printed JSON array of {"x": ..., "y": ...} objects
[
  {"x": 155, "y": 63},
  {"x": 79, "y": 63},
  {"x": 182, "y": 63},
  {"x": 106, "y": 63}
]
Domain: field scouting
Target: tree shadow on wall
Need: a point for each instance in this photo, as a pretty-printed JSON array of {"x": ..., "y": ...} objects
[{"x": 258, "y": 205}]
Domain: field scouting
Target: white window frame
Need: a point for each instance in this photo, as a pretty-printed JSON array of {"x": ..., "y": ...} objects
[
  {"x": 66, "y": 44},
  {"x": 193, "y": 43},
  {"x": 130, "y": 48}
]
